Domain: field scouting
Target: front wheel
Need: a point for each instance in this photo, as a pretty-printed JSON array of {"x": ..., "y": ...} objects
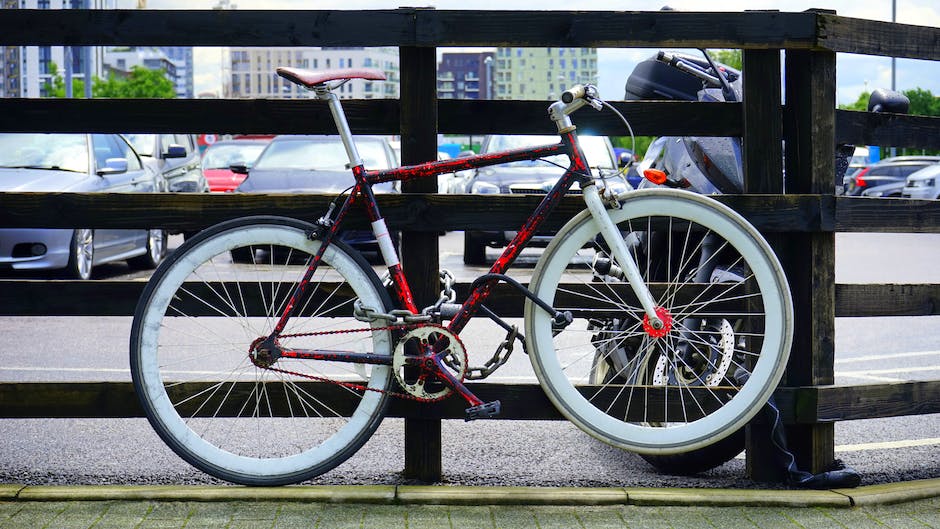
[
  {"x": 209, "y": 392},
  {"x": 717, "y": 286}
]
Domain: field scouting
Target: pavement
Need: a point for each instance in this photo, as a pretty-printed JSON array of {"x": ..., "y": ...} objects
[{"x": 895, "y": 505}]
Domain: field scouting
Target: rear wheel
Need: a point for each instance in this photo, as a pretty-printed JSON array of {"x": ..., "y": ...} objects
[
  {"x": 707, "y": 371},
  {"x": 216, "y": 397},
  {"x": 156, "y": 251},
  {"x": 81, "y": 254}
]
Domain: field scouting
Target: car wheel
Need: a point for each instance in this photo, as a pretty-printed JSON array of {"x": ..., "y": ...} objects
[
  {"x": 474, "y": 250},
  {"x": 156, "y": 250},
  {"x": 81, "y": 254}
]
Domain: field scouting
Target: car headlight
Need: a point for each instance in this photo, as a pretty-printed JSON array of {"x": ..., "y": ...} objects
[
  {"x": 930, "y": 182},
  {"x": 483, "y": 188}
]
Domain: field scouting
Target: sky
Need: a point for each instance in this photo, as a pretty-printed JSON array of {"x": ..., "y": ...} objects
[{"x": 854, "y": 74}]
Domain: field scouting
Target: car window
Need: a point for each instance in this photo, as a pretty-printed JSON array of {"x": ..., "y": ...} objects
[
  {"x": 143, "y": 143},
  {"x": 67, "y": 152},
  {"x": 183, "y": 139},
  {"x": 133, "y": 161},
  {"x": 595, "y": 149},
  {"x": 223, "y": 156},
  {"x": 906, "y": 170},
  {"x": 105, "y": 147},
  {"x": 324, "y": 155}
]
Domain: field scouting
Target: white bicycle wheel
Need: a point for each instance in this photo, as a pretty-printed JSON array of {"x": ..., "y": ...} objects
[
  {"x": 202, "y": 392},
  {"x": 696, "y": 381}
]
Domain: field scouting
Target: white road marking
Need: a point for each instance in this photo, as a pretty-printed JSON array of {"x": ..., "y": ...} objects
[{"x": 871, "y": 358}]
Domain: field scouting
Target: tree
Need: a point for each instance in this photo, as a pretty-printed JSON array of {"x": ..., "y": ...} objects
[
  {"x": 732, "y": 58},
  {"x": 141, "y": 83}
]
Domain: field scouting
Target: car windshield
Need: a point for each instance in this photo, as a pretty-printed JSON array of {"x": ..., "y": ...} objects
[
  {"x": 595, "y": 149},
  {"x": 223, "y": 156},
  {"x": 143, "y": 143},
  {"x": 64, "y": 152},
  {"x": 320, "y": 154}
]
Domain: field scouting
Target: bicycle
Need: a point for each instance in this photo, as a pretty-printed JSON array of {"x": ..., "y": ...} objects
[{"x": 264, "y": 350}]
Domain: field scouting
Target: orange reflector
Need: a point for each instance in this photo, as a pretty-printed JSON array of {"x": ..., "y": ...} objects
[{"x": 655, "y": 175}]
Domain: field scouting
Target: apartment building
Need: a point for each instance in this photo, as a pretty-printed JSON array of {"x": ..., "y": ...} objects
[
  {"x": 252, "y": 71},
  {"x": 27, "y": 70},
  {"x": 542, "y": 73}
]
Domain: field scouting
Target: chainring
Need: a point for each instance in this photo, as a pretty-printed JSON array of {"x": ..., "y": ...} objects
[{"x": 420, "y": 382}]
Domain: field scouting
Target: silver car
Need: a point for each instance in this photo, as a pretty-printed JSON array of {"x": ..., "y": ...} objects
[
  {"x": 75, "y": 163},
  {"x": 923, "y": 183}
]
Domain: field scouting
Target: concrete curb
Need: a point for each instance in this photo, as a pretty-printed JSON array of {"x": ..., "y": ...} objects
[{"x": 462, "y": 495}]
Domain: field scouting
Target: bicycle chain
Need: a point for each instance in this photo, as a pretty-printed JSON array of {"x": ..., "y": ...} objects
[{"x": 353, "y": 385}]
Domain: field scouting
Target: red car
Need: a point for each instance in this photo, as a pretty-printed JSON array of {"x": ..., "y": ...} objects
[{"x": 222, "y": 155}]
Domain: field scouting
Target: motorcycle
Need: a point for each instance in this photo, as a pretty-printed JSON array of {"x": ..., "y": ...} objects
[{"x": 705, "y": 165}]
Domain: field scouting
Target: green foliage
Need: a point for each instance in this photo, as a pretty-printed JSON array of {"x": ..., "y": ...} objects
[
  {"x": 642, "y": 143},
  {"x": 732, "y": 58},
  {"x": 141, "y": 83}
]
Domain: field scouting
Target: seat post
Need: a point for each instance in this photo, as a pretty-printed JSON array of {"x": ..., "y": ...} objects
[{"x": 342, "y": 126}]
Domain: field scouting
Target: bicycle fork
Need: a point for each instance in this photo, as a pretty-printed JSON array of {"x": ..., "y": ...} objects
[{"x": 655, "y": 316}]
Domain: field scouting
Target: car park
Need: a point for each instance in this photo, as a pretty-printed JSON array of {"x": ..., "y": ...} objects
[
  {"x": 75, "y": 163},
  {"x": 318, "y": 164},
  {"x": 176, "y": 159},
  {"x": 923, "y": 183},
  {"x": 886, "y": 177},
  {"x": 529, "y": 177},
  {"x": 219, "y": 157}
]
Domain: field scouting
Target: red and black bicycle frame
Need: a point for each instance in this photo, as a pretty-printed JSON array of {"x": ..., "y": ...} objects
[{"x": 578, "y": 171}]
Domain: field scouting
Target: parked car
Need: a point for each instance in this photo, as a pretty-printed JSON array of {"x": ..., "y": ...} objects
[
  {"x": 528, "y": 177},
  {"x": 75, "y": 163},
  {"x": 923, "y": 183},
  {"x": 317, "y": 164},
  {"x": 218, "y": 159},
  {"x": 886, "y": 178},
  {"x": 175, "y": 157}
]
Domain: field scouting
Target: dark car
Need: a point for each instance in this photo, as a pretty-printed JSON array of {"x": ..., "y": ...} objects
[
  {"x": 529, "y": 177},
  {"x": 886, "y": 178},
  {"x": 317, "y": 164},
  {"x": 75, "y": 163}
]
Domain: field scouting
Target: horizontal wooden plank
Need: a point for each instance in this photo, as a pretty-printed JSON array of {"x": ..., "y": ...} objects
[
  {"x": 374, "y": 116},
  {"x": 803, "y": 405},
  {"x": 411, "y": 212},
  {"x": 843, "y": 403},
  {"x": 119, "y": 298},
  {"x": 408, "y": 27},
  {"x": 866, "y": 128},
  {"x": 887, "y": 300},
  {"x": 889, "y": 215},
  {"x": 874, "y": 37}
]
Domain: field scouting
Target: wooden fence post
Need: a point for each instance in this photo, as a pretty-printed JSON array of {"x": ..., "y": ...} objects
[
  {"x": 809, "y": 258},
  {"x": 420, "y": 255},
  {"x": 763, "y": 173}
]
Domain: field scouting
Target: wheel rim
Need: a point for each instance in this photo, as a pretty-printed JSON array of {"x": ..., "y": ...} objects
[
  {"x": 562, "y": 375},
  {"x": 84, "y": 252},
  {"x": 313, "y": 434},
  {"x": 156, "y": 243}
]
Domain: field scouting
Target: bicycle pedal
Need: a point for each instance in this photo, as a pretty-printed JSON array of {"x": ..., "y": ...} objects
[{"x": 486, "y": 410}]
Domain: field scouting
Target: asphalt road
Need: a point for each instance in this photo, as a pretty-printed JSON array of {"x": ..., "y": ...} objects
[{"x": 40, "y": 451}]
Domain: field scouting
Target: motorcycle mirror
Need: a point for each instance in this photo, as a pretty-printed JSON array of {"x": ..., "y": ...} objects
[{"x": 882, "y": 100}]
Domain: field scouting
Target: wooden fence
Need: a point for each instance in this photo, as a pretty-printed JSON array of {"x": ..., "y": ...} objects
[{"x": 808, "y": 215}]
